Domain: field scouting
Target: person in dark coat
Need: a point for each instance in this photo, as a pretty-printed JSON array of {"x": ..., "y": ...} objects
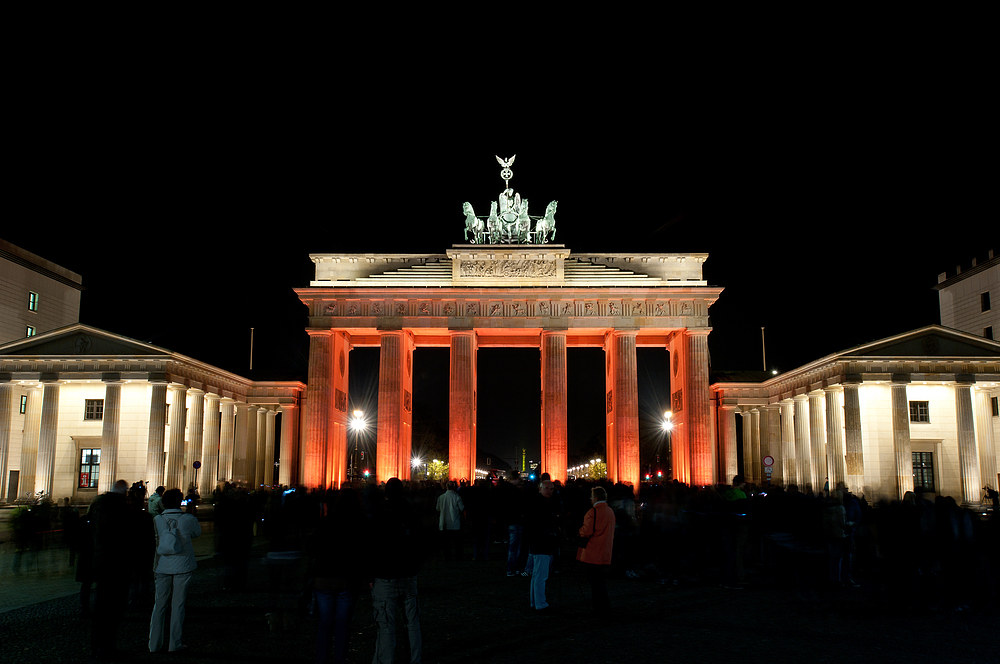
[
  {"x": 542, "y": 533},
  {"x": 112, "y": 563},
  {"x": 396, "y": 558},
  {"x": 340, "y": 557}
]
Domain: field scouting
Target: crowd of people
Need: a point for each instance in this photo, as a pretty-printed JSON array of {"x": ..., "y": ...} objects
[{"x": 374, "y": 538}]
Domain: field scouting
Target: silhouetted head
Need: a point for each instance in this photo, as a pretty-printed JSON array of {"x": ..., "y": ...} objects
[
  {"x": 172, "y": 499},
  {"x": 393, "y": 488}
]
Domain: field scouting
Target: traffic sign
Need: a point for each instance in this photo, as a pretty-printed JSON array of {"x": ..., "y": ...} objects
[{"x": 768, "y": 461}]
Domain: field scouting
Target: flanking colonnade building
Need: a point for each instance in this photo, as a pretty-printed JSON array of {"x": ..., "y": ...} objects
[
  {"x": 81, "y": 408},
  {"x": 916, "y": 409}
]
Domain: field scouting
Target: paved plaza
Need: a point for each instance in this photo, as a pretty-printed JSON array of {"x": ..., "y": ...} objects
[{"x": 471, "y": 611}]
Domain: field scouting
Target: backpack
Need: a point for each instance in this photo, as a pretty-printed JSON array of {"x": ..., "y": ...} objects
[{"x": 170, "y": 540}]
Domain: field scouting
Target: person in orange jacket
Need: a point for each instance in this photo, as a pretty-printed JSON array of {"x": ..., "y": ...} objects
[{"x": 599, "y": 526}]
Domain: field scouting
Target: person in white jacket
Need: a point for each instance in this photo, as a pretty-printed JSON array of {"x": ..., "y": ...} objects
[
  {"x": 450, "y": 505},
  {"x": 172, "y": 572}
]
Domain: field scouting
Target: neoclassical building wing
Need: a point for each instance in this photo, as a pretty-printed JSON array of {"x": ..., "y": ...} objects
[
  {"x": 915, "y": 409},
  {"x": 82, "y": 407}
]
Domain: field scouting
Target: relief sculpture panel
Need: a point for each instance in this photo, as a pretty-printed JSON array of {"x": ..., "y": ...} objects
[{"x": 528, "y": 269}]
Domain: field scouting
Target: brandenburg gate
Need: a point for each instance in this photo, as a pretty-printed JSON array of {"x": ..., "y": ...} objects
[{"x": 510, "y": 285}]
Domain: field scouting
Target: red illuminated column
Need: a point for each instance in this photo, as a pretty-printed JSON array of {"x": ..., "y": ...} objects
[
  {"x": 462, "y": 406},
  {"x": 319, "y": 405},
  {"x": 623, "y": 407},
  {"x": 554, "y": 427},
  {"x": 698, "y": 419},
  {"x": 395, "y": 405}
]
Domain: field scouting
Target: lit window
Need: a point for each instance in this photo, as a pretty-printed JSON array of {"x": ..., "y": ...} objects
[
  {"x": 923, "y": 470},
  {"x": 90, "y": 468},
  {"x": 32, "y": 301},
  {"x": 93, "y": 409},
  {"x": 29, "y": 332},
  {"x": 24, "y": 403},
  {"x": 984, "y": 300},
  {"x": 919, "y": 411}
]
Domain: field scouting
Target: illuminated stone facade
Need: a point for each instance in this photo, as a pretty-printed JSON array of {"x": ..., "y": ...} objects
[
  {"x": 151, "y": 413},
  {"x": 36, "y": 295},
  {"x": 916, "y": 408},
  {"x": 536, "y": 296}
]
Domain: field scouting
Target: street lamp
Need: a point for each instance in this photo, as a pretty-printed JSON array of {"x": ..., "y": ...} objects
[{"x": 357, "y": 425}]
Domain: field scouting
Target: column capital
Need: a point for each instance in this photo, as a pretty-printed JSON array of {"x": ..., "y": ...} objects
[
  {"x": 698, "y": 331},
  {"x": 194, "y": 391},
  {"x": 834, "y": 388},
  {"x": 965, "y": 380},
  {"x": 317, "y": 332}
]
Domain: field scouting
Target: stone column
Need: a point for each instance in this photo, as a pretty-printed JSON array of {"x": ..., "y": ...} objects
[
  {"x": 318, "y": 406},
  {"x": 803, "y": 449},
  {"x": 156, "y": 436},
  {"x": 253, "y": 482},
  {"x": 211, "y": 435},
  {"x": 109, "y": 433},
  {"x": 265, "y": 460},
  {"x": 288, "y": 470},
  {"x": 227, "y": 438},
  {"x": 817, "y": 440},
  {"x": 241, "y": 431},
  {"x": 987, "y": 445},
  {"x": 48, "y": 433},
  {"x": 395, "y": 410},
  {"x": 729, "y": 457},
  {"x": 697, "y": 398},
  {"x": 755, "y": 465},
  {"x": 623, "y": 408},
  {"x": 462, "y": 405},
  {"x": 968, "y": 460},
  {"x": 774, "y": 438},
  {"x": 6, "y": 419},
  {"x": 554, "y": 425},
  {"x": 29, "y": 444},
  {"x": 854, "y": 461},
  {"x": 747, "y": 436},
  {"x": 262, "y": 459},
  {"x": 175, "y": 448},
  {"x": 789, "y": 466},
  {"x": 901, "y": 436},
  {"x": 835, "y": 436},
  {"x": 195, "y": 436}
]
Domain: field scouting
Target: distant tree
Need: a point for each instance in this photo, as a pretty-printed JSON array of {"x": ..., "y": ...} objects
[
  {"x": 595, "y": 471},
  {"x": 437, "y": 470}
]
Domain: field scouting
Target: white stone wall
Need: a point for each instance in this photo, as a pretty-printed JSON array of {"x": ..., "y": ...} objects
[
  {"x": 132, "y": 433},
  {"x": 961, "y": 303},
  {"x": 58, "y": 304}
]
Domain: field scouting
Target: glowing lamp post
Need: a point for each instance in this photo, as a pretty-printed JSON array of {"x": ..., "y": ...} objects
[{"x": 358, "y": 426}]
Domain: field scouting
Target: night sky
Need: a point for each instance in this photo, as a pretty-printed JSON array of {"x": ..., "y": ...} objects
[{"x": 192, "y": 225}]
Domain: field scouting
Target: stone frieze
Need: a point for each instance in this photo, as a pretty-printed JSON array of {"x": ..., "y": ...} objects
[
  {"x": 510, "y": 308},
  {"x": 508, "y": 269}
]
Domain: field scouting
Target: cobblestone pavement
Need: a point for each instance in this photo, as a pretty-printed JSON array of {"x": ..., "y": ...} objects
[{"x": 471, "y": 611}]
